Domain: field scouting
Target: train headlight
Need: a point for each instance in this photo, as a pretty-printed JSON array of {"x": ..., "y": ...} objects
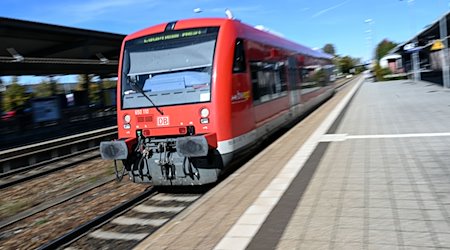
[
  {"x": 204, "y": 112},
  {"x": 127, "y": 118}
]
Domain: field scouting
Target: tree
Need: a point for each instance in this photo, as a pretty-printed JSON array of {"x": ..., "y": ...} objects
[
  {"x": 83, "y": 81},
  {"x": 15, "y": 96},
  {"x": 94, "y": 89},
  {"x": 384, "y": 47},
  {"x": 44, "y": 89},
  {"x": 47, "y": 87},
  {"x": 381, "y": 72},
  {"x": 345, "y": 64},
  {"x": 329, "y": 49},
  {"x": 109, "y": 83}
]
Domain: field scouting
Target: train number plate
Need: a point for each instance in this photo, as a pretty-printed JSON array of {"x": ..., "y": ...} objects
[{"x": 162, "y": 121}]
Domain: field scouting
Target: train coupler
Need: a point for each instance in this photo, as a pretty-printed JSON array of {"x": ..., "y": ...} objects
[{"x": 114, "y": 150}]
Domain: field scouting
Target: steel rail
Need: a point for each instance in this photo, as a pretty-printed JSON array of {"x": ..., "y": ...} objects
[
  {"x": 47, "y": 162},
  {"x": 98, "y": 221},
  {"x": 15, "y": 181},
  {"x": 46, "y": 205},
  {"x": 33, "y": 149}
]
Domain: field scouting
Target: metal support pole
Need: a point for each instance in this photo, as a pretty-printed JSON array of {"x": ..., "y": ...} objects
[
  {"x": 416, "y": 65},
  {"x": 445, "y": 56}
]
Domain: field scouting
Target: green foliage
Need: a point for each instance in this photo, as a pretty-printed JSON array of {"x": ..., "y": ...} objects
[
  {"x": 381, "y": 72},
  {"x": 109, "y": 84},
  {"x": 319, "y": 76},
  {"x": 329, "y": 49},
  {"x": 83, "y": 82},
  {"x": 11, "y": 207},
  {"x": 359, "y": 69},
  {"x": 15, "y": 96},
  {"x": 384, "y": 47},
  {"x": 336, "y": 60},
  {"x": 345, "y": 64},
  {"x": 44, "y": 89},
  {"x": 94, "y": 93},
  {"x": 41, "y": 222}
]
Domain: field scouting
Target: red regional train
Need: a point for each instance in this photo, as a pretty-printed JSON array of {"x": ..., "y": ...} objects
[{"x": 194, "y": 95}]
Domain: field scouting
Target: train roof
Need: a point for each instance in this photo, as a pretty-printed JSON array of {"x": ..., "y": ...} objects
[
  {"x": 244, "y": 30},
  {"x": 278, "y": 41}
]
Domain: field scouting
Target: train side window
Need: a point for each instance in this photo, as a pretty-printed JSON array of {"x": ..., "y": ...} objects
[
  {"x": 283, "y": 76},
  {"x": 266, "y": 84},
  {"x": 239, "y": 57},
  {"x": 314, "y": 76},
  {"x": 308, "y": 77},
  {"x": 255, "y": 82},
  {"x": 125, "y": 70}
]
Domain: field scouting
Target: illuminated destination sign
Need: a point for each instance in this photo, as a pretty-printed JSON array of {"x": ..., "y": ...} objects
[
  {"x": 174, "y": 35},
  {"x": 181, "y": 34}
]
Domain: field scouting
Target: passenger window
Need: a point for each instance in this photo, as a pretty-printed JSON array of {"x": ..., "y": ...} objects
[
  {"x": 254, "y": 69},
  {"x": 268, "y": 80},
  {"x": 312, "y": 76},
  {"x": 283, "y": 76},
  {"x": 239, "y": 57}
]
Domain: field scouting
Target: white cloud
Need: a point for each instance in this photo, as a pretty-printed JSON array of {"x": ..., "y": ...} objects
[
  {"x": 84, "y": 11},
  {"x": 235, "y": 9},
  {"x": 92, "y": 7},
  {"x": 321, "y": 12}
]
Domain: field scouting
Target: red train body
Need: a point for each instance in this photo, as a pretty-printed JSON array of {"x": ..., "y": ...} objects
[{"x": 195, "y": 94}]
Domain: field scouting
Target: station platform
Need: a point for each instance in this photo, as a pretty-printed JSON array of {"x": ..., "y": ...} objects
[{"x": 369, "y": 169}]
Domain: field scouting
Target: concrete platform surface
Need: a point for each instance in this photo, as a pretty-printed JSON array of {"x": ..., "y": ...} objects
[{"x": 375, "y": 177}]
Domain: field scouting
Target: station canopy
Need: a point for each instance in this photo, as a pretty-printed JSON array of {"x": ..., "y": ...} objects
[
  {"x": 425, "y": 39},
  {"x": 32, "y": 48}
]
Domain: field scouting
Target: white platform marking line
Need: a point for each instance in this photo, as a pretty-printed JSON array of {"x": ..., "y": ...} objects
[
  {"x": 153, "y": 209},
  {"x": 333, "y": 137},
  {"x": 397, "y": 135},
  {"x": 175, "y": 198},
  {"x": 127, "y": 221},
  {"x": 344, "y": 137},
  {"x": 243, "y": 233},
  {"x": 104, "y": 235}
]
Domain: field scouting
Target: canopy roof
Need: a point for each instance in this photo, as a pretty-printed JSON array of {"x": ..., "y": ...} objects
[{"x": 32, "y": 48}]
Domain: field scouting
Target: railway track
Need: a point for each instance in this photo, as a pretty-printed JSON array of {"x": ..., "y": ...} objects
[
  {"x": 21, "y": 175},
  {"x": 51, "y": 203},
  {"x": 60, "y": 208},
  {"x": 39, "y": 154},
  {"x": 127, "y": 224}
]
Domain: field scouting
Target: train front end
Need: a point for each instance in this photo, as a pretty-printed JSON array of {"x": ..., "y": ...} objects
[{"x": 166, "y": 119}]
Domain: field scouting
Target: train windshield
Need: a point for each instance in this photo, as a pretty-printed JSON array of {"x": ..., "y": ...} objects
[{"x": 171, "y": 68}]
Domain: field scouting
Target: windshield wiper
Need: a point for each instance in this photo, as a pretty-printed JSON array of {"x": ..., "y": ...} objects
[{"x": 137, "y": 88}]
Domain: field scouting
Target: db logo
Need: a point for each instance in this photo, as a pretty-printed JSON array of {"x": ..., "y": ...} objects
[{"x": 162, "y": 121}]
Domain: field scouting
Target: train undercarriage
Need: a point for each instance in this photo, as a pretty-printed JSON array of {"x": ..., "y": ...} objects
[{"x": 177, "y": 161}]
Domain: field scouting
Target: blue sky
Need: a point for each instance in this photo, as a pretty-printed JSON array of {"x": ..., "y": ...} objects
[{"x": 311, "y": 23}]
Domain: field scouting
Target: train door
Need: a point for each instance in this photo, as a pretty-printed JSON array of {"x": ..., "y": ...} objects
[
  {"x": 241, "y": 93},
  {"x": 294, "y": 95}
]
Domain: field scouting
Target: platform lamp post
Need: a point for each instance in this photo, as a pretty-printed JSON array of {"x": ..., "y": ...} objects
[
  {"x": 371, "y": 47},
  {"x": 415, "y": 59},
  {"x": 445, "y": 55},
  {"x": 2, "y": 89}
]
